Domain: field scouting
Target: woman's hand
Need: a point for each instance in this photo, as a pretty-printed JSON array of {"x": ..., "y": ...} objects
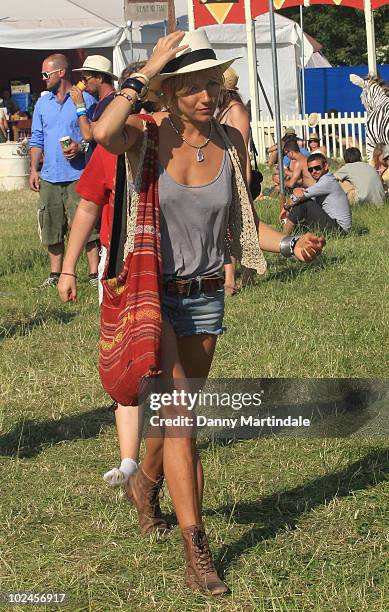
[
  {"x": 67, "y": 288},
  {"x": 165, "y": 50},
  {"x": 308, "y": 247},
  {"x": 76, "y": 95}
]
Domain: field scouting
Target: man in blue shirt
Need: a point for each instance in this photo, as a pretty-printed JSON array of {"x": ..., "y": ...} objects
[{"x": 54, "y": 117}]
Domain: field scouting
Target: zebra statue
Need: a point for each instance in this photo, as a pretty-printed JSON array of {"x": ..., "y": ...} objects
[{"x": 375, "y": 99}]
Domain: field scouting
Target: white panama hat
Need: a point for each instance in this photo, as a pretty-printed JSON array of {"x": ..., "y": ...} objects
[
  {"x": 97, "y": 63},
  {"x": 198, "y": 56},
  {"x": 313, "y": 120}
]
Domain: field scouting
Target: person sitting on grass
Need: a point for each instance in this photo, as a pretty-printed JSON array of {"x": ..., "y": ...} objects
[
  {"x": 297, "y": 174},
  {"x": 314, "y": 144},
  {"x": 322, "y": 206},
  {"x": 380, "y": 162},
  {"x": 286, "y": 139},
  {"x": 290, "y": 134},
  {"x": 359, "y": 180}
]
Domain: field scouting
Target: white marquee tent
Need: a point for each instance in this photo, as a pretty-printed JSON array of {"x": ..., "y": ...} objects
[{"x": 100, "y": 24}]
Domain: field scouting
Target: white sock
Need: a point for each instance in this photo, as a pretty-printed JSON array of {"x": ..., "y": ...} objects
[{"x": 119, "y": 476}]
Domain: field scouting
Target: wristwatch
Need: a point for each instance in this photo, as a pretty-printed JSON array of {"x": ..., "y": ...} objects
[{"x": 136, "y": 84}]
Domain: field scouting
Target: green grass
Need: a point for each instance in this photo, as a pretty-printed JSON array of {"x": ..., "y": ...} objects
[{"x": 295, "y": 524}]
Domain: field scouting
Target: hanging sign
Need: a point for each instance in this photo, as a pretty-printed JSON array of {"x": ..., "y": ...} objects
[{"x": 145, "y": 10}]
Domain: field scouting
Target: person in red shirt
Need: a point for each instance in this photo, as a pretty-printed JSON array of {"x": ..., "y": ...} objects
[{"x": 96, "y": 188}]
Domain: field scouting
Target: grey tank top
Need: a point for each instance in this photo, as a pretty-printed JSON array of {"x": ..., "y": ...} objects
[{"x": 194, "y": 223}]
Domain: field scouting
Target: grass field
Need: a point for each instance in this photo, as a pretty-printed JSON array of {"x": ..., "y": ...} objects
[{"x": 295, "y": 524}]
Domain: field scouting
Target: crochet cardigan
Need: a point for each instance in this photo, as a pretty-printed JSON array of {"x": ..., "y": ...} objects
[{"x": 242, "y": 235}]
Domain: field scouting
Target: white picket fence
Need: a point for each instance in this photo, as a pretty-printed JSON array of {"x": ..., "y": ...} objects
[{"x": 336, "y": 133}]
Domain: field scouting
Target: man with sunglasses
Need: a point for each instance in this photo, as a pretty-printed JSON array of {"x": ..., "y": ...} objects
[
  {"x": 323, "y": 205},
  {"x": 55, "y": 117},
  {"x": 97, "y": 78}
]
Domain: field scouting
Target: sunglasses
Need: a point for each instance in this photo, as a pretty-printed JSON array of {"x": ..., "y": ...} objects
[
  {"x": 315, "y": 169},
  {"x": 47, "y": 75},
  {"x": 313, "y": 140},
  {"x": 85, "y": 79}
]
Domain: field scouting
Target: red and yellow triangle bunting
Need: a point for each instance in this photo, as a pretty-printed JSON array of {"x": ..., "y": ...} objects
[{"x": 219, "y": 10}]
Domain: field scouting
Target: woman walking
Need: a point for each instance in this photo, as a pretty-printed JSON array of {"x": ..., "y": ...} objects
[{"x": 202, "y": 193}]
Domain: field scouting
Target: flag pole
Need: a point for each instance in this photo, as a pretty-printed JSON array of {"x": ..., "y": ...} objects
[
  {"x": 302, "y": 64},
  {"x": 276, "y": 89},
  {"x": 252, "y": 66},
  {"x": 172, "y": 24},
  {"x": 191, "y": 21},
  {"x": 370, "y": 37}
]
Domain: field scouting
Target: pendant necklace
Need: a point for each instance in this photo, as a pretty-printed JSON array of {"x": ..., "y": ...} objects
[{"x": 200, "y": 155}]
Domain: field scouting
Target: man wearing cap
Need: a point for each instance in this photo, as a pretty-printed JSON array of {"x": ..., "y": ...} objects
[
  {"x": 290, "y": 134},
  {"x": 54, "y": 119},
  {"x": 96, "y": 79}
]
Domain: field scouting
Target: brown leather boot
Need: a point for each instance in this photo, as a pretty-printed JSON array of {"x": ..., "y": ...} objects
[
  {"x": 200, "y": 573},
  {"x": 143, "y": 493}
]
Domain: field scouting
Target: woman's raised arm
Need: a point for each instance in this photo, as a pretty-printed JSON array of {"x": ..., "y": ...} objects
[{"x": 116, "y": 130}]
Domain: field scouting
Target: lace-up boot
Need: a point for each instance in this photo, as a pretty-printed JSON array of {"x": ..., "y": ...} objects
[
  {"x": 143, "y": 493},
  {"x": 200, "y": 573}
]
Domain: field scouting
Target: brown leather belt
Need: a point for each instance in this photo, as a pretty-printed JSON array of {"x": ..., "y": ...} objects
[{"x": 191, "y": 286}]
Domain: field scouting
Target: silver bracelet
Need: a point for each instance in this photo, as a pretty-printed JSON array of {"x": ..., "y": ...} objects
[{"x": 287, "y": 245}]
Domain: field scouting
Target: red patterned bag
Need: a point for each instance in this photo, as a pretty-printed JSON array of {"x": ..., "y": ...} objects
[{"x": 131, "y": 310}]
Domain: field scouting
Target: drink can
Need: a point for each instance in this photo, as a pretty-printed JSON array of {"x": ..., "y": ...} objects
[
  {"x": 80, "y": 85},
  {"x": 65, "y": 142}
]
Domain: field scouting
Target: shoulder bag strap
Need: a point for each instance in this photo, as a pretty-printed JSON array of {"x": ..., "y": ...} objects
[{"x": 119, "y": 221}]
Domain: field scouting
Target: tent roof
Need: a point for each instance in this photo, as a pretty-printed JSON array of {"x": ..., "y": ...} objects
[
  {"x": 68, "y": 14},
  {"x": 70, "y": 24}
]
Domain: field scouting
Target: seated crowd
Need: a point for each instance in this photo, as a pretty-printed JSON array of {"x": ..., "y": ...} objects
[{"x": 318, "y": 198}]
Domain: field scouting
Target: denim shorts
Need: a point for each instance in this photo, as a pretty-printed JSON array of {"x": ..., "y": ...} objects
[{"x": 201, "y": 313}]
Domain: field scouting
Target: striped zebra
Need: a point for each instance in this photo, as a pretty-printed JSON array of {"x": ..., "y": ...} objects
[{"x": 375, "y": 99}]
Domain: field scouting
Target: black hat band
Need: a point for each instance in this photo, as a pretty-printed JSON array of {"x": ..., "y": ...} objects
[{"x": 188, "y": 58}]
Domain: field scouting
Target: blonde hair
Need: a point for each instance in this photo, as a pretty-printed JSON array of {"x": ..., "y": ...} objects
[
  {"x": 378, "y": 151},
  {"x": 181, "y": 84}
]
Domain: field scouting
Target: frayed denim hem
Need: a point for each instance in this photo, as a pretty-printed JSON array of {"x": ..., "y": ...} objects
[{"x": 198, "y": 332}]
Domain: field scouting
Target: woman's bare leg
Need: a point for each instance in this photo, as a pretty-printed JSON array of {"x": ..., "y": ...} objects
[
  {"x": 196, "y": 354},
  {"x": 129, "y": 428},
  {"x": 183, "y": 358},
  {"x": 181, "y": 476}
]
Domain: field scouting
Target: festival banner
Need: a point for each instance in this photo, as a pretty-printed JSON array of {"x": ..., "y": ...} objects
[{"x": 211, "y": 12}]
